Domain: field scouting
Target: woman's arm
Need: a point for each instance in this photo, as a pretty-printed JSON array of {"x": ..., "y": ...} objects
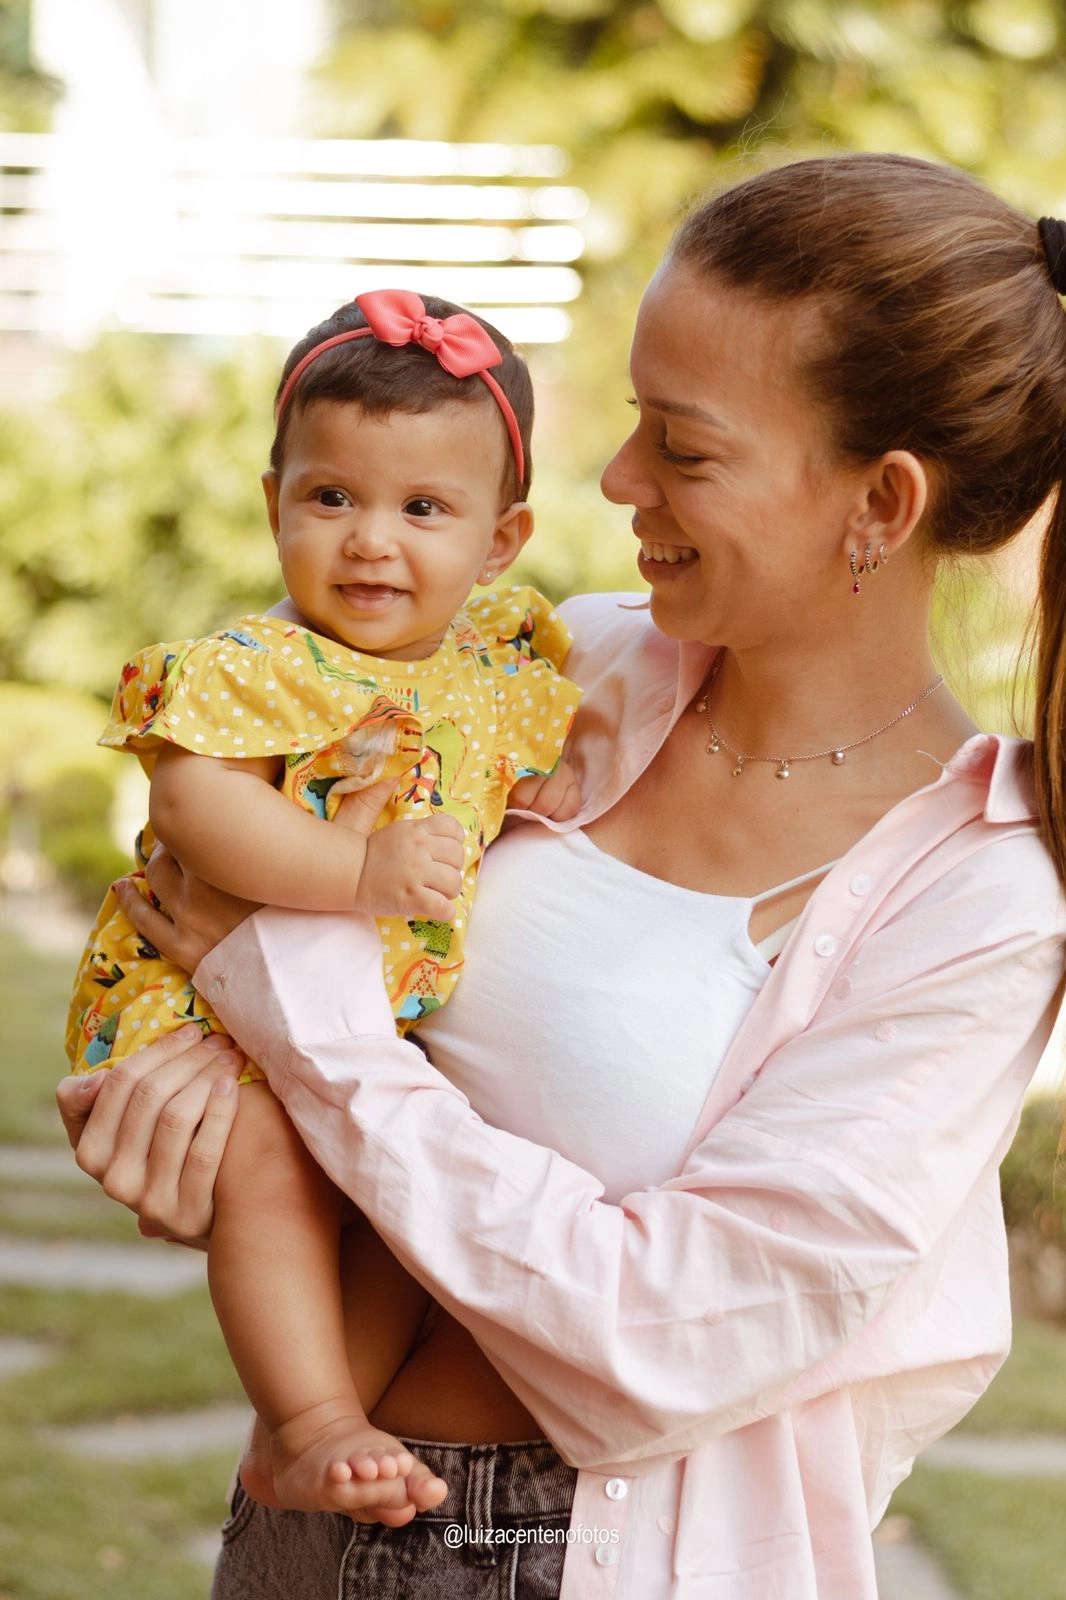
[
  {"x": 635, "y": 1332},
  {"x": 228, "y": 825}
]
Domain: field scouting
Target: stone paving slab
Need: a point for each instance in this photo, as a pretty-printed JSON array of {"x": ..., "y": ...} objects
[
  {"x": 149, "y": 1268},
  {"x": 1001, "y": 1455},
  {"x": 22, "y": 1355},
  {"x": 904, "y": 1570},
  {"x": 174, "y": 1435},
  {"x": 30, "y": 1163}
]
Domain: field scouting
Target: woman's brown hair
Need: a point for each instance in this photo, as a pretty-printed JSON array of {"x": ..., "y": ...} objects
[{"x": 941, "y": 334}]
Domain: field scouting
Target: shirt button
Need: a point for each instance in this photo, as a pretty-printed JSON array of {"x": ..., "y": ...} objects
[
  {"x": 214, "y": 990},
  {"x": 606, "y": 1554},
  {"x": 825, "y": 945},
  {"x": 665, "y": 1525},
  {"x": 616, "y": 1488},
  {"x": 861, "y": 884}
]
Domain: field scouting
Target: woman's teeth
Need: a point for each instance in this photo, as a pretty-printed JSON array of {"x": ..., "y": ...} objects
[{"x": 666, "y": 552}]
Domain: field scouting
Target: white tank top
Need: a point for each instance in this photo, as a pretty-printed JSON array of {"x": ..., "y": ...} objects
[{"x": 613, "y": 1000}]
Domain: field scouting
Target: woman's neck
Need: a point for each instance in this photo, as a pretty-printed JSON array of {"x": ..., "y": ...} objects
[{"x": 831, "y": 686}]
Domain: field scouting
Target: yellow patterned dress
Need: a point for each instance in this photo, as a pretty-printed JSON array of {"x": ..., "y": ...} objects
[{"x": 456, "y": 730}]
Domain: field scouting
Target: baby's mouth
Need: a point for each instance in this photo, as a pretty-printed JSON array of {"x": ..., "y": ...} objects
[{"x": 369, "y": 596}]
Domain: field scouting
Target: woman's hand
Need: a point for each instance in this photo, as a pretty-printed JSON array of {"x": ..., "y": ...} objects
[
  {"x": 192, "y": 916},
  {"x": 152, "y": 1130}
]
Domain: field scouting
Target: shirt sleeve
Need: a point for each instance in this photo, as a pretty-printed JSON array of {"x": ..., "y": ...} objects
[
  {"x": 525, "y": 642},
  {"x": 635, "y": 1332}
]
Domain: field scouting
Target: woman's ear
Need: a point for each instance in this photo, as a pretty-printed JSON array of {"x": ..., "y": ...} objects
[
  {"x": 513, "y": 528},
  {"x": 269, "y": 480},
  {"x": 893, "y": 498}
]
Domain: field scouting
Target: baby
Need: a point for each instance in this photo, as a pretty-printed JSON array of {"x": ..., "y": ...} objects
[{"x": 398, "y": 481}]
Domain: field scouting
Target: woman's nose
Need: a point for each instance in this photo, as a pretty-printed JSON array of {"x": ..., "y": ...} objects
[{"x": 627, "y": 478}]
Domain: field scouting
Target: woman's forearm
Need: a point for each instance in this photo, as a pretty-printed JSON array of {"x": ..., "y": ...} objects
[{"x": 635, "y": 1331}]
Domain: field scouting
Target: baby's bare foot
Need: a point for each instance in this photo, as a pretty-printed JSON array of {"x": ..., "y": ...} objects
[
  {"x": 332, "y": 1459},
  {"x": 257, "y": 1469}
]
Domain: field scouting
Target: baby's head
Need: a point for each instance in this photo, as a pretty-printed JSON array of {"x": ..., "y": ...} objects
[{"x": 399, "y": 469}]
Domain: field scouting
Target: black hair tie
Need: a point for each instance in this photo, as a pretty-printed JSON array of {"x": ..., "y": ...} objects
[{"x": 1053, "y": 238}]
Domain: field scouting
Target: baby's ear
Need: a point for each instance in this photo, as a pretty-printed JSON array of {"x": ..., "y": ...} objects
[
  {"x": 513, "y": 528},
  {"x": 269, "y": 480}
]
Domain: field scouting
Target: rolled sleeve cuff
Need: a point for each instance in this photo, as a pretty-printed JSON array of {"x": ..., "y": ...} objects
[{"x": 273, "y": 983}]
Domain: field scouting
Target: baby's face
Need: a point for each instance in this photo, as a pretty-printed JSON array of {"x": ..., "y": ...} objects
[{"x": 385, "y": 524}]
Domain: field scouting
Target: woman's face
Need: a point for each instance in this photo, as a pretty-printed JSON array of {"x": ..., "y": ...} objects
[{"x": 740, "y": 512}]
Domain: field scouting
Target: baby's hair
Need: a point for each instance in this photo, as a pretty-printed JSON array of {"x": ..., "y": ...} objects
[{"x": 382, "y": 378}]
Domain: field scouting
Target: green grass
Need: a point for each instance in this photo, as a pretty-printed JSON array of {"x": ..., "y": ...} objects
[
  {"x": 114, "y": 1353},
  {"x": 996, "y": 1538},
  {"x": 72, "y": 1528},
  {"x": 78, "y": 1530},
  {"x": 1029, "y": 1393},
  {"x": 34, "y": 991}
]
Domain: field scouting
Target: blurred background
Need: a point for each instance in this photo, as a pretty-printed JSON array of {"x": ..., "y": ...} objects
[{"x": 185, "y": 187}]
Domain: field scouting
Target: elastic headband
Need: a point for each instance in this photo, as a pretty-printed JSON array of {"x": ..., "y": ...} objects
[{"x": 460, "y": 344}]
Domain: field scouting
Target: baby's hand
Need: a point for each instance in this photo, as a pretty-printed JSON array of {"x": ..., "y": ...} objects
[
  {"x": 413, "y": 869},
  {"x": 556, "y": 796}
]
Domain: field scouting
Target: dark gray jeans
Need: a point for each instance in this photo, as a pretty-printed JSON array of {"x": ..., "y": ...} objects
[{"x": 500, "y": 1535}]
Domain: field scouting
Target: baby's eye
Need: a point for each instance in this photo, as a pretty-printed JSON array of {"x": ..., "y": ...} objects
[
  {"x": 333, "y": 498},
  {"x": 421, "y": 507}
]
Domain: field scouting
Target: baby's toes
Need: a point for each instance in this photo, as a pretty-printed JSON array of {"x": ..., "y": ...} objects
[
  {"x": 368, "y": 1466},
  {"x": 424, "y": 1489}
]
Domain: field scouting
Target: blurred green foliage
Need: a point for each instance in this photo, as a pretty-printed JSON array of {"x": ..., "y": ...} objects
[
  {"x": 26, "y": 95},
  {"x": 1033, "y": 1176},
  {"x": 129, "y": 505}
]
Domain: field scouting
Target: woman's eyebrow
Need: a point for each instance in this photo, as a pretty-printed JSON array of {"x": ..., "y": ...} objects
[{"x": 678, "y": 408}]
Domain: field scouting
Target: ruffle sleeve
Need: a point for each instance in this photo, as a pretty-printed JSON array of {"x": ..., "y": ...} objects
[
  {"x": 266, "y": 687},
  {"x": 526, "y": 643}
]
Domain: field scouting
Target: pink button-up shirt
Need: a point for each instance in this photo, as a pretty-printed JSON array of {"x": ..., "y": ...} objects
[{"x": 744, "y": 1361}]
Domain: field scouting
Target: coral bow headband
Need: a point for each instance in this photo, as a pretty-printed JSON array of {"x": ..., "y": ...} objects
[{"x": 460, "y": 344}]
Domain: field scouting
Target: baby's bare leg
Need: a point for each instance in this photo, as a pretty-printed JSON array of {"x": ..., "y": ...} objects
[{"x": 275, "y": 1280}]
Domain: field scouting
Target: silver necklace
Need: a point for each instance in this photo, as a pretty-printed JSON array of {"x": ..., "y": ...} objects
[{"x": 784, "y": 764}]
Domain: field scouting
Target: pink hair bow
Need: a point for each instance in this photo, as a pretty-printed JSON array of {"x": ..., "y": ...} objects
[
  {"x": 398, "y": 317},
  {"x": 459, "y": 342}
]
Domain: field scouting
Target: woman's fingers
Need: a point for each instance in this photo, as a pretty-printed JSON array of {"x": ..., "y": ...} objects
[
  {"x": 76, "y": 1097},
  {"x": 116, "y": 1139},
  {"x": 186, "y": 1154},
  {"x": 156, "y": 927}
]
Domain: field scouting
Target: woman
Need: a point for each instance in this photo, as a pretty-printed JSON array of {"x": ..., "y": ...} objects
[{"x": 729, "y": 1234}]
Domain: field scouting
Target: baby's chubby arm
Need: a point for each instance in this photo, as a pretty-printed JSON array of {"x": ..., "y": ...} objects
[{"x": 225, "y": 822}]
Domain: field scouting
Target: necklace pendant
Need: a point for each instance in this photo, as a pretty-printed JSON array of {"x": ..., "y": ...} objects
[
  {"x": 713, "y": 747},
  {"x": 738, "y": 770},
  {"x": 783, "y": 770},
  {"x": 837, "y": 758}
]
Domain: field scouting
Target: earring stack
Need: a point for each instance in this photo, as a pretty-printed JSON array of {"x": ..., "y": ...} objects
[{"x": 867, "y": 564}]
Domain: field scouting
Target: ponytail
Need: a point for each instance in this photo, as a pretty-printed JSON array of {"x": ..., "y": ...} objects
[{"x": 1049, "y": 722}]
